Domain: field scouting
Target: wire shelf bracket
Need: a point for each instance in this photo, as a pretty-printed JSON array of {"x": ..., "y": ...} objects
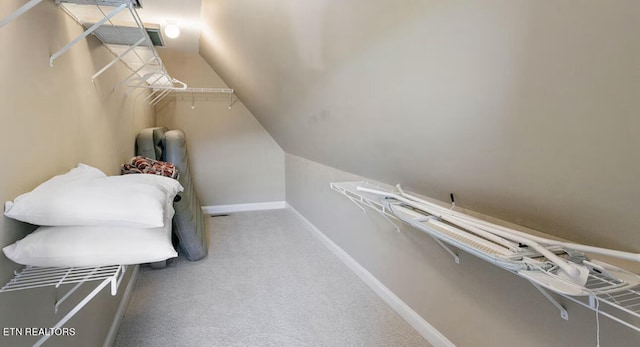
[
  {"x": 86, "y": 33},
  {"x": 37, "y": 277},
  {"x": 19, "y": 12},
  {"x": 563, "y": 311}
]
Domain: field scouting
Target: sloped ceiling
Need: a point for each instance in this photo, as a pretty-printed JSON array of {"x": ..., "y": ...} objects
[{"x": 526, "y": 110}]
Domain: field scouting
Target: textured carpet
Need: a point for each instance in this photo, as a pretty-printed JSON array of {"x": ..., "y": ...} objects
[{"x": 267, "y": 281}]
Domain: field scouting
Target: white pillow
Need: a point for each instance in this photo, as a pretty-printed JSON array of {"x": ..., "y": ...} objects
[
  {"x": 82, "y": 171},
  {"x": 84, "y": 197},
  {"x": 170, "y": 186},
  {"x": 76, "y": 246}
]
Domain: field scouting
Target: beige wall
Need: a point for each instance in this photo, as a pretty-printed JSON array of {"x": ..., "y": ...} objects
[
  {"x": 233, "y": 159},
  {"x": 473, "y": 304},
  {"x": 526, "y": 110},
  {"x": 52, "y": 118}
]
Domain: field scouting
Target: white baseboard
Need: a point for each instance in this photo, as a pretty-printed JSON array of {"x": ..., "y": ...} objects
[
  {"x": 258, "y": 206},
  {"x": 425, "y": 329},
  {"x": 126, "y": 296}
]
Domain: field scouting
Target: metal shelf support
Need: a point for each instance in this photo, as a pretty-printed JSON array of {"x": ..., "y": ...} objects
[
  {"x": 86, "y": 33},
  {"x": 563, "y": 311},
  {"x": 20, "y": 11}
]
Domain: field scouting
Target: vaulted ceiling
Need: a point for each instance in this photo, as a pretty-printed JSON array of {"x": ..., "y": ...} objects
[{"x": 526, "y": 109}]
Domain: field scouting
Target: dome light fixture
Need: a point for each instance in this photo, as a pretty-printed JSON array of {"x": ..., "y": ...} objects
[{"x": 171, "y": 30}]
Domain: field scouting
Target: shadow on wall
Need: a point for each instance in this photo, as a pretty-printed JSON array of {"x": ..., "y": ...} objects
[
  {"x": 10, "y": 231},
  {"x": 524, "y": 110},
  {"x": 569, "y": 153}
]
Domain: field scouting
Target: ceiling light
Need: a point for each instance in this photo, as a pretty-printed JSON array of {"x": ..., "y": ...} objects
[{"x": 172, "y": 30}]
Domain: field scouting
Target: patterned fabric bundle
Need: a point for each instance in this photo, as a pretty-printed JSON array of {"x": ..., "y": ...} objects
[{"x": 144, "y": 165}]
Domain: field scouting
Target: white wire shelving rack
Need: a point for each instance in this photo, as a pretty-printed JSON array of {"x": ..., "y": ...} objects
[
  {"x": 118, "y": 26},
  {"x": 194, "y": 95},
  {"x": 37, "y": 277},
  {"x": 622, "y": 306}
]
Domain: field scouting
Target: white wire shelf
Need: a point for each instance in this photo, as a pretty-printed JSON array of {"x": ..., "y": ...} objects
[
  {"x": 125, "y": 35},
  {"x": 118, "y": 26},
  {"x": 617, "y": 299},
  {"x": 200, "y": 90},
  {"x": 38, "y": 277},
  {"x": 195, "y": 95},
  {"x": 622, "y": 306}
]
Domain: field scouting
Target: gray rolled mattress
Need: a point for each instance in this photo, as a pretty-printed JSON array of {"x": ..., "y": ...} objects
[{"x": 188, "y": 222}]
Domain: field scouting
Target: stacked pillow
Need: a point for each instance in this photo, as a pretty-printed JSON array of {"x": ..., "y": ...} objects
[{"x": 87, "y": 218}]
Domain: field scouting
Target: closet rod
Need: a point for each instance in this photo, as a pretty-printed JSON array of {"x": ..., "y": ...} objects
[
  {"x": 183, "y": 86},
  {"x": 205, "y": 90},
  {"x": 135, "y": 72}
]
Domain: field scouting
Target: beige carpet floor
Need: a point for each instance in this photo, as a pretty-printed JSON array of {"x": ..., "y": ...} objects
[{"x": 267, "y": 281}]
